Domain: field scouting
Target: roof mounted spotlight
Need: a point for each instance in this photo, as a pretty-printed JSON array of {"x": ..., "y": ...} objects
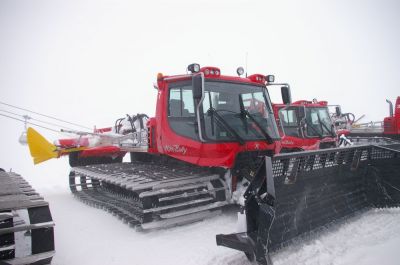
[
  {"x": 240, "y": 71},
  {"x": 194, "y": 68},
  {"x": 270, "y": 78}
]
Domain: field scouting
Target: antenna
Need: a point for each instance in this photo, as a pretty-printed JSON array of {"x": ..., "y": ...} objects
[{"x": 246, "y": 62}]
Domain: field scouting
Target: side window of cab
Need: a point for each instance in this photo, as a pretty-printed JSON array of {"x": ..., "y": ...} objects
[
  {"x": 181, "y": 102},
  {"x": 181, "y": 113},
  {"x": 288, "y": 118}
]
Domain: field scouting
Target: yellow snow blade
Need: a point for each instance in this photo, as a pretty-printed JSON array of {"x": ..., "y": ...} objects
[{"x": 41, "y": 149}]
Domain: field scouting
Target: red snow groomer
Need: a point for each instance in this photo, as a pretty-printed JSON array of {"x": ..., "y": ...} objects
[
  {"x": 305, "y": 125},
  {"x": 207, "y": 146},
  {"x": 187, "y": 161},
  {"x": 373, "y": 131}
]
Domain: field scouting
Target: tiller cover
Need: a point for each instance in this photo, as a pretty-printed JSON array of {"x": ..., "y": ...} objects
[{"x": 296, "y": 193}]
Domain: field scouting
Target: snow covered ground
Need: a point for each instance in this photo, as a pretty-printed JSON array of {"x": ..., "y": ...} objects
[{"x": 86, "y": 235}]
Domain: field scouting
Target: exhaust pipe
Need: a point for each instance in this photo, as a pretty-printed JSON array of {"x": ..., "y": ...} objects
[{"x": 390, "y": 107}]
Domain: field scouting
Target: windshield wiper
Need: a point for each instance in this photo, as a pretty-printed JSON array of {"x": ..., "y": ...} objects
[
  {"x": 222, "y": 121},
  {"x": 263, "y": 131},
  {"x": 324, "y": 126},
  {"x": 243, "y": 115},
  {"x": 312, "y": 127}
]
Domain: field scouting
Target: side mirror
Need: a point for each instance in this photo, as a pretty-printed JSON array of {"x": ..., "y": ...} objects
[
  {"x": 198, "y": 89},
  {"x": 286, "y": 96},
  {"x": 338, "y": 111}
]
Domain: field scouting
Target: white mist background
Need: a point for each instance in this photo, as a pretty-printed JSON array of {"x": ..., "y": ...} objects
[{"x": 91, "y": 62}]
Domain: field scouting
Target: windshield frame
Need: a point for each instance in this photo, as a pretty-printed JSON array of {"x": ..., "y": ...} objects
[
  {"x": 319, "y": 130},
  {"x": 268, "y": 121}
]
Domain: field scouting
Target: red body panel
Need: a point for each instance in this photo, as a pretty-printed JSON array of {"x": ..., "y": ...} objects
[
  {"x": 391, "y": 125},
  {"x": 111, "y": 151},
  {"x": 103, "y": 130},
  {"x": 311, "y": 104},
  {"x": 75, "y": 142},
  {"x": 93, "y": 148}
]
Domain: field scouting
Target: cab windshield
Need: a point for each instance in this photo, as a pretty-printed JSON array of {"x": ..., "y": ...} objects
[
  {"x": 232, "y": 110},
  {"x": 318, "y": 122}
]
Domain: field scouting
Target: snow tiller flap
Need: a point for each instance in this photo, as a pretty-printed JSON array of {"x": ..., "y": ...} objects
[{"x": 296, "y": 193}]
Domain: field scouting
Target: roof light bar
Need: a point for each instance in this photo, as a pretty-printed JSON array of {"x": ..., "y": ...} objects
[
  {"x": 210, "y": 71},
  {"x": 257, "y": 78}
]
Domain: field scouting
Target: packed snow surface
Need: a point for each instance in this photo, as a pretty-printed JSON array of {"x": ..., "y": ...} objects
[{"x": 86, "y": 235}]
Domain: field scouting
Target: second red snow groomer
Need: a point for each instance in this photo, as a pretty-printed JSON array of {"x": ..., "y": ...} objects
[{"x": 305, "y": 125}]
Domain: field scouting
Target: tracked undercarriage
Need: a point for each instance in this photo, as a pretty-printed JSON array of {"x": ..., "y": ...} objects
[
  {"x": 26, "y": 226},
  {"x": 151, "y": 195}
]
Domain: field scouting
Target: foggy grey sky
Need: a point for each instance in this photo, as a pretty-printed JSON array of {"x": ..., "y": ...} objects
[
  {"x": 98, "y": 53},
  {"x": 94, "y": 61}
]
